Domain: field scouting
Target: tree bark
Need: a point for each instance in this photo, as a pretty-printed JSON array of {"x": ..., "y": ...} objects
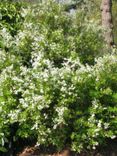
[{"x": 107, "y": 23}]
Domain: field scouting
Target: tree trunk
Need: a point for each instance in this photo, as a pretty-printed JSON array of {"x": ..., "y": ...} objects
[{"x": 106, "y": 8}]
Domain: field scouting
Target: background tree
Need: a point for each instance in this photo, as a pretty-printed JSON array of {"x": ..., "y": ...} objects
[{"x": 106, "y": 8}]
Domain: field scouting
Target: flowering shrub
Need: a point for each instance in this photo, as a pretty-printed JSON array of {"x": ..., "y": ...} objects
[{"x": 48, "y": 89}]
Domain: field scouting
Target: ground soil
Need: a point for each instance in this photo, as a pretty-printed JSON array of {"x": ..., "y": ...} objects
[
  {"x": 109, "y": 150},
  {"x": 27, "y": 148}
]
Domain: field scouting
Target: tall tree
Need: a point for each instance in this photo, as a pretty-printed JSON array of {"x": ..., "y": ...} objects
[{"x": 106, "y": 8}]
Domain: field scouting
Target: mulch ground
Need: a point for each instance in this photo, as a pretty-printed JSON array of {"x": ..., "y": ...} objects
[
  {"x": 108, "y": 150},
  {"x": 27, "y": 148}
]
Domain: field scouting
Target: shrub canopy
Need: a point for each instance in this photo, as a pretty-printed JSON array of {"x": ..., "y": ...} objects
[{"x": 56, "y": 85}]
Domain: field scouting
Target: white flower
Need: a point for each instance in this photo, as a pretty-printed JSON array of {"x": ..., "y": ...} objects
[
  {"x": 99, "y": 124},
  {"x": 106, "y": 125},
  {"x": 113, "y": 137}
]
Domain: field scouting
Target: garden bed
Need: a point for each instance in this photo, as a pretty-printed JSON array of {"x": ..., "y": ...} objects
[{"x": 108, "y": 150}]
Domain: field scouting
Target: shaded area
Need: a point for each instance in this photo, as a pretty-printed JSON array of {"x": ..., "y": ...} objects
[{"x": 27, "y": 148}]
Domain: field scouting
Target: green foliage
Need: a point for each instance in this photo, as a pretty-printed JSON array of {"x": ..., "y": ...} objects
[
  {"x": 10, "y": 16},
  {"x": 53, "y": 84},
  {"x": 61, "y": 35}
]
